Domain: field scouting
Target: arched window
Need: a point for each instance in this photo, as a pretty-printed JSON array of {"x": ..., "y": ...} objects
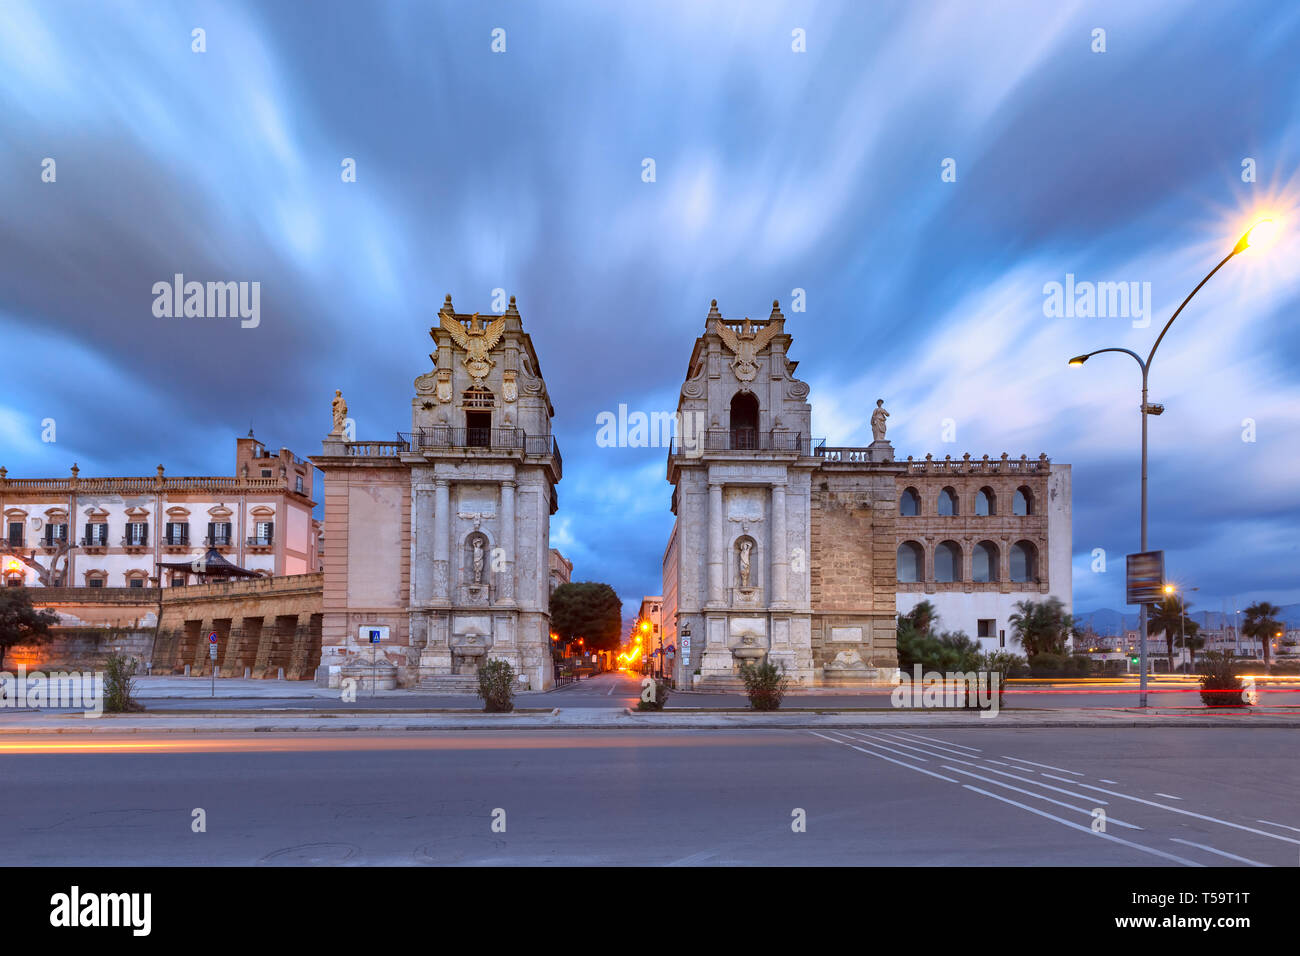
[
  {"x": 947, "y": 503},
  {"x": 478, "y": 402},
  {"x": 911, "y": 562},
  {"x": 909, "y": 503},
  {"x": 744, "y": 420},
  {"x": 984, "y": 562},
  {"x": 1024, "y": 503},
  {"x": 1024, "y": 562},
  {"x": 947, "y": 561},
  {"x": 986, "y": 502}
]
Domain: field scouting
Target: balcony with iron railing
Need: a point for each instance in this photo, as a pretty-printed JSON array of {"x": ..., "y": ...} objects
[
  {"x": 449, "y": 437},
  {"x": 261, "y": 541},
  {"x": 739, "y": 439}
]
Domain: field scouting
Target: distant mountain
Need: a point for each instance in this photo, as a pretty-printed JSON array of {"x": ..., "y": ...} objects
[{"x": 1109, "y": 621}]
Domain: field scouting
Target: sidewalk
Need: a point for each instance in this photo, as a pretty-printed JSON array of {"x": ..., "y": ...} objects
[{"x": 559, "y": 718}]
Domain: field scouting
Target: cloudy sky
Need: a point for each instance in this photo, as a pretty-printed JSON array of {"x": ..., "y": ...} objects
[{"x": 775, "y": 169}]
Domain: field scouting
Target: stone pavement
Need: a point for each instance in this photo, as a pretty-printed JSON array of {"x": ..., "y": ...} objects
[{"x": 560, "y": 718}]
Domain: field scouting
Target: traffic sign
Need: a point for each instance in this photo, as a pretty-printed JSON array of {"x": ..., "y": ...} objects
[
  {"x": 212, "y": 652},
  {"x": 212, "y": 638}
]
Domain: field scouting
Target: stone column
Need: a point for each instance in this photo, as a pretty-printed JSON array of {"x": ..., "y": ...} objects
[
  {"x": 507, "y": 592},
  {"x": 716, "y": 558},
  {"x": 441, "y": 540},
  {"x": 780, "y": 548}
]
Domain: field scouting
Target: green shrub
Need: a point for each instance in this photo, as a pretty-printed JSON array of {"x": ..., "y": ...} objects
[
  {"x": 1003, "y": 664},
  {"x": 765, "y": 685},
  {"x": 496, "y": 686},
  {"x": 658, "y": 697},
  {"x": 119, "y": 685},
  {"x": 943, "y": 652},
  {"x": 1284, "y": 667},
  {"x": 1047, "y": 665},
  {"x": 1220, "y": 685}
]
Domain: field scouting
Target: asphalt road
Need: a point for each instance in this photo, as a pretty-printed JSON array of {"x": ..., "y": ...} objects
[
  {"x": 1173, "y": 797},
  {"x": 624, "y": 690}
]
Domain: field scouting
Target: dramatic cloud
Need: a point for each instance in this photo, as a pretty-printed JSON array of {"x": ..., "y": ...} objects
[{"x": 775, "y": 170}]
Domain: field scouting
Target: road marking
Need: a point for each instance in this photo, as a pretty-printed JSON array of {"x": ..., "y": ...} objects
[
  {"x": 1047, "y": 765},
  {"x": 693, "y": 858},
  {"x": 959, "y": 753},
  {"x": 1104, "y": 780},
  {"x": 1210, "y": 849},
  {"x": 1282, "y": 825},
  {"x": 1168, "y": 796},
  {"x": 883, "y": 757},
  {"x": 1039, "y": 796},
  {"x": 936, "y": 740},
  {"x": 1088, "y": 830},
  {"x": 1186, "y": 813},
  {"x": 612, "y": 685}
]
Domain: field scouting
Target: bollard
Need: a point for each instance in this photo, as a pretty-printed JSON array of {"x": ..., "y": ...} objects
[
  {"x": 279, "y": 674},
  {"x": 247, "y": 671}
]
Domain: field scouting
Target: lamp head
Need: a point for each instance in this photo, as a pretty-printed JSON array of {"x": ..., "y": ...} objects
[
  {"x": 1079, "y": 359},
  {"x": 1257, "y": 236}
]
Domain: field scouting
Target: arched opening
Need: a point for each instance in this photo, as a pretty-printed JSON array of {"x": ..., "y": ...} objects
[
  {"x": 478, "y": 403},
  {"x": 947, "y": 562},
  {"x": 909, "y": 503},
  {"x": 1024, "y": 502},
  {"x": 986, "y": 502},
  {"x": 947, "y": 504},
  {"x": 1024, "y": 562},
  {"x": 984, "y": 562},
  {"x": 744, "y": 420},
  {"x": 911, "y": 562}
]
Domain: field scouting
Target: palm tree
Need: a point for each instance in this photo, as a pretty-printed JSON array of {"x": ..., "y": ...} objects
[
  {"x": 1261, "y": 622},
  {"x": 922, "y": 617},
  {"x": 1169, "y": 616},
  {"x": 1193, "y": 642},
  {"x": 1042, "y": 626}
]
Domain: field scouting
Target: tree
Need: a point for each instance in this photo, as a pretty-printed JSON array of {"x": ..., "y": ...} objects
[
  {"x": 1261, "y": 622},
  {"x": 1170, "y": 617},
  {"x": 20, "y": 623},
  {"x": 48, "y": 576},
  {"x": 589, "y": 610},
  {"x": 921, "y": 618},
  {"x": 1193, "y": 642},
  {"x": 1043, "y": 627}
]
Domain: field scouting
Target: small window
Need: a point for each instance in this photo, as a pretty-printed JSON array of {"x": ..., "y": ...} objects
[
  {"x": 298, "y": 485},
  {"x": 1024, "y": 502},
  {"x": 987, "y": 628},
  {"x": 178, "y": 580},
  {"x": 13, "y": 580},
  {"x": 909, "y": 503},
  {"x": 137, "y": 583},
  {"x": 947, "y": 562},
  {"x": 911, "y": 562},
  {"x": 137, "y": 534},
  {"x": 15, "y": 532},
  {"x": 984, "y": 562},
  {"x": 95, "y": 582},
  {"x": 947, "y": 502}
]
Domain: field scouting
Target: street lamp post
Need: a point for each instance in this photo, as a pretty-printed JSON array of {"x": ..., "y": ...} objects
[{"x": 1147, "y": 409}]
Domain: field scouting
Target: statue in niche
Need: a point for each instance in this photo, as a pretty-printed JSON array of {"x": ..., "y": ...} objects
[
  {"x": 477, "y": 561},
  {"x": 878, "y": 420},
  {"x": 746, "y": 547}
]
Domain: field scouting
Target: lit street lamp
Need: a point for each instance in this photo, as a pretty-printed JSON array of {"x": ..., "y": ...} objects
[{"x": 1258, "y": 234}]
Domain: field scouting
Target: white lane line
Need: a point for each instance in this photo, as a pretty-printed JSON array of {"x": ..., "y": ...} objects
[
  {"x": 871, "y": 738},
  {"x": 1186, "y": 813},
  {"x": 1038, "y": 796},
  {"x": 693, "y": 859},
  {"x": 900, "y": 737},
  {"x": 1167, "y": 796},
  {"x": 1104, "y": 780},
  {"x": 936, "y": 740},
  {"x": 1047, "y": 765},
  {"x": 883, "y": 757},
  {"x": 1282, "y": 825},
  {"x": 901, "y": 753},
  {"x": 1088, "y": 830},
  {"x": 1210, "y": 849},
  {"x": 1048, "y": 786},
  {"x": 611, "y": 688}
]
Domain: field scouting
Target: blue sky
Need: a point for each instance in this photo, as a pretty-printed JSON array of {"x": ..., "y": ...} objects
[{"x": 775, "y": 170}]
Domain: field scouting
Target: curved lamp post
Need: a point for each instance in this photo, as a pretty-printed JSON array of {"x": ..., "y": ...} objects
[{"x": 1255, "y": 235}]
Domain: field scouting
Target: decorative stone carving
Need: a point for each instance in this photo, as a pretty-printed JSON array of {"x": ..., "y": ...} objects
[
  {"x": 878, "y": 420},
  {"x": 477, "y": 341},
  {"x": 746, "y": 548},
  {"x": 340, "y": 409},
  {"x": 425, "y": 383},
  {"x": 478, "y": 560},
  {"x": 509, "y": 387},
  {"x": 746, "y": 345}
]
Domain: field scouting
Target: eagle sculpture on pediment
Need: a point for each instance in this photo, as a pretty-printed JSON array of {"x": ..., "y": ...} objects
[
  {"x": 746, "y": 345},
  {"x": 478, "y": 340}
]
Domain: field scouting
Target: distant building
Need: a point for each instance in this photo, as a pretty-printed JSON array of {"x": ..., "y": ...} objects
[
  {"x": 120, "y": 532},
  {"x": 561, "y": 569},
  {"x": 649, "y": 623}
]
